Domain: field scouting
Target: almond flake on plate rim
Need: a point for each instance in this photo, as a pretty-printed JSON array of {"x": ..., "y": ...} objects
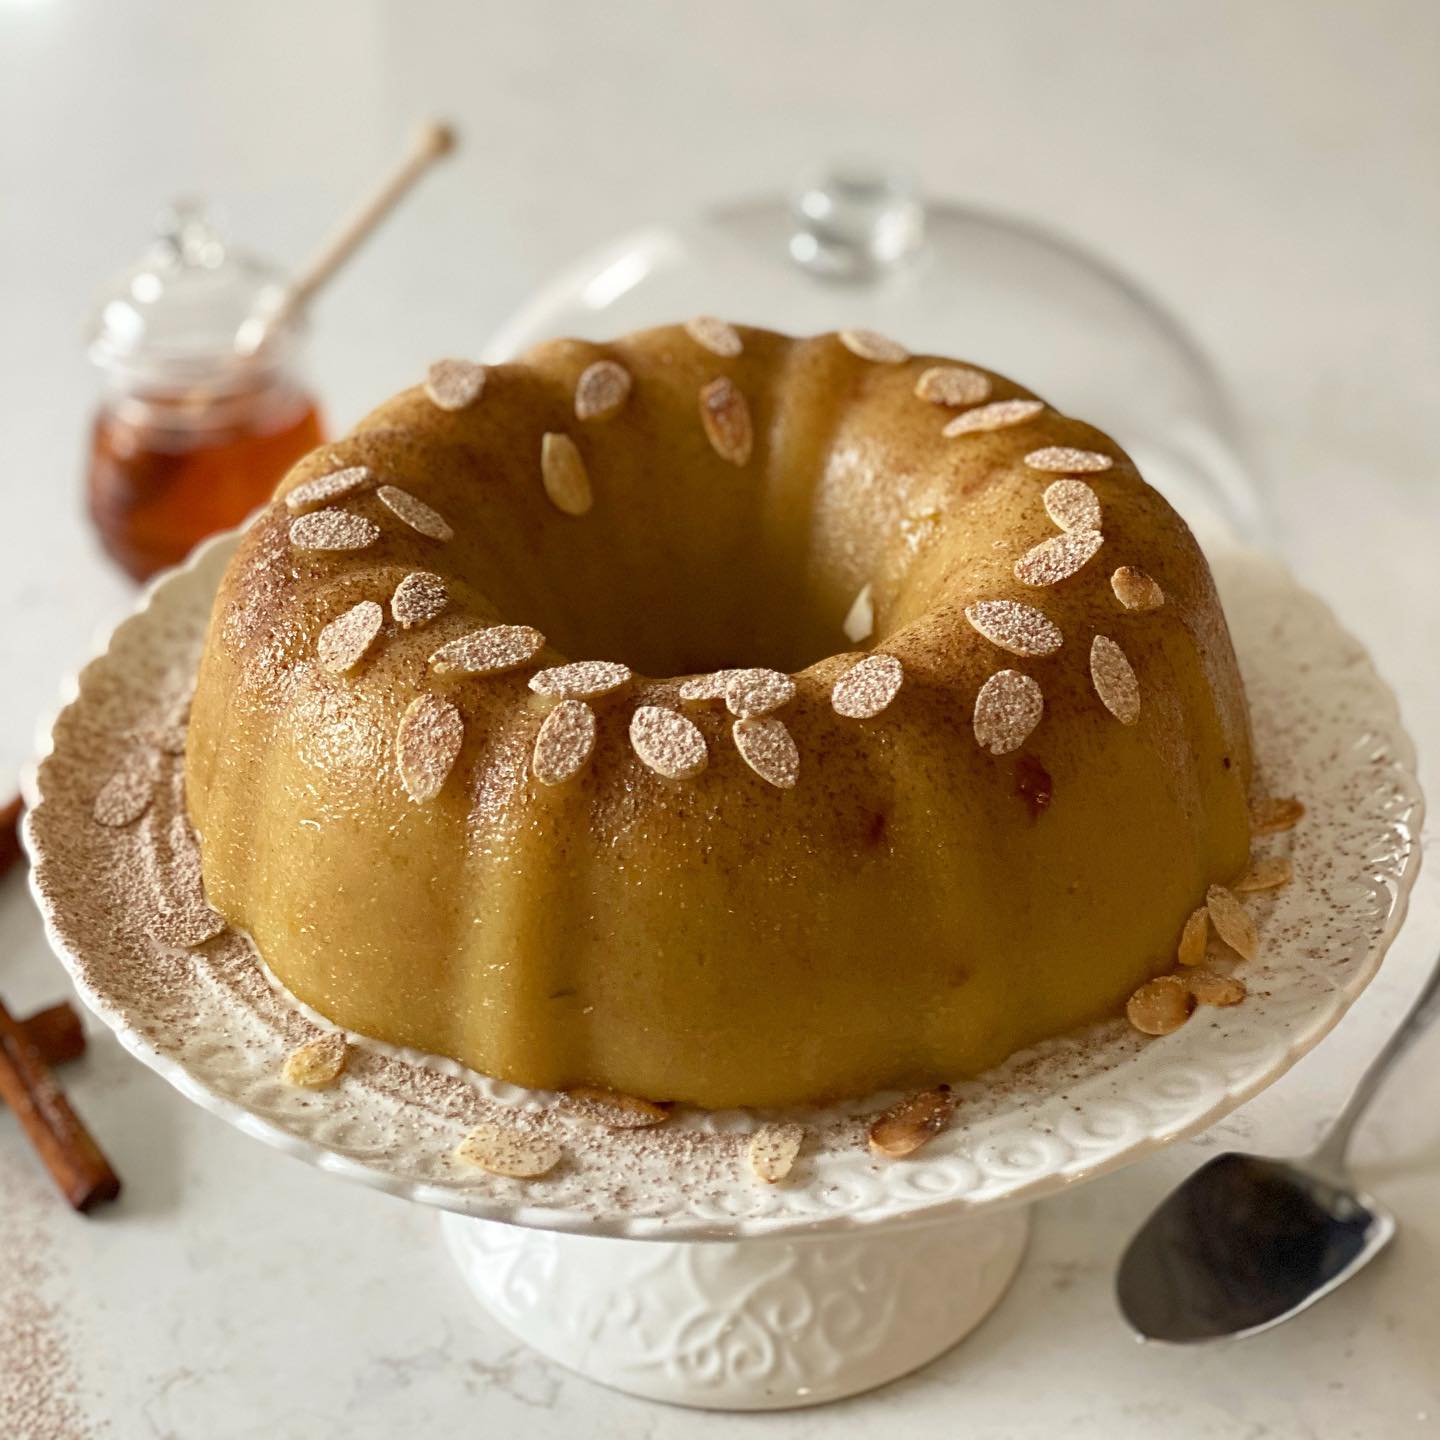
[
  {"x": 952, "y": 385},
  {"x": 318, "y": 1064},
  {"x": 332, "y": 530},
  {"x": 1020, "y": 629},
  {"x": 669, "y": 743},
  {"x": 563, "y": 472},
  {"x": 772, "y": 1151},
  {"x": 1211, "y": 988},
  {"x": 1232, "y": 921},
  {"x": 454, "y": 384},
  {"x": 998, "y": 415},
  {"x": 1062, "y": 460},
  {"x": 427, "y": 744},
  {"x": 614, "y": 1110},
  {"x": 872, "y": 345},
  {"x": 768, "y": 748},
  {"x": 867, "y": 687},
  {"x": 726, "y": 418},
  {"x": 1269, "y": 872},
  {"x": 1160, "y": 1006},
  {"x": 419, "y": 516},
  {"x": 911, "y": 1123},
  {"x": 1194, "y": 938},
  {"x": 333, "y": 486},
  {"x": 419, "y": 598},
  {"x": 565, "y": 742},
  {"x": 1274, "y": 813},
  {"x": 719, "y": 337},
  {"x": 1114, "y": 679},
  {"x": 1007, "y": 710},
  {"x": 491, "y": 651},
  {"x": 1072, "y": 505},
  {"x": 602, "y": 390},
  {"x": 503, "y": 1150}
]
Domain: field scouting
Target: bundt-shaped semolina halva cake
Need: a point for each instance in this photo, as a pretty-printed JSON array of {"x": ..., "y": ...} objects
[{"x": 718, "y": 717}]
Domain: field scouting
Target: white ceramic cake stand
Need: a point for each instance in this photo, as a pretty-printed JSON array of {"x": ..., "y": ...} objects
[{"x": 663, "y": 1269}]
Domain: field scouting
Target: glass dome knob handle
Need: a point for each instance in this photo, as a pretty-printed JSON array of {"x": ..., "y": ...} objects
[{"x": 855, "y": 221}]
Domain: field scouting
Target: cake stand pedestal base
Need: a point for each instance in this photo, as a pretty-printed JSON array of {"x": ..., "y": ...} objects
[{"x": 755, "y": 1324}]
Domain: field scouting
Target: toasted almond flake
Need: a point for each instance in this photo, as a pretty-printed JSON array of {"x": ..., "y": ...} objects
[
  {"x": 1267, "y": 873},
  {"x": 418, "y": 599},
  {"x": 772, "y": 1151},
  {"x": 455, "y": 384},
  {"x": 126, "y": 795},
  {"x": 563, "y": 472},
  {"x": 867, "y": 687},
  {"x": 1062, "y": 460},
  {"x": 427, "y": 744},
  {"x": 914, "y": 1122},
  {"x": 1135, "y": 590},
  {"x": 871, "y": 345},
  {"x": 582, "y": 680},
  {"x": 602, "y": 390},
  {"x": 1194, "y": 938},
  {"x": 769, "y": 749},
  {"x": 614, "y": 1110},
  {"x": 1210, "y": 988},
  {"x": 1160, "y": 1006},
  {"x": 1058, "y": 558},
  {"x": 415, "y": 513},
  {"x": 503, "y": 1150},
  {"x": 717, "y": 336},
  {"x": 706, "y": 687},
  {"x": 1020, "y": 629},
  {"x": 757, "y": 691},
  {"x": 1274, "y": 813},
  {"x": 318, "y": 1064},
  {"x": 491, "y": 651},
  {"x": 1114, "y": 680},
  {"x": 1232, "y": 921},
  {"x": 726, "y": 418},
  {"x": 952, "y": 385},
  {"x": 565, "y": 742},
  {"x": 333, "y": 486},
  {"x": 668, "y": 743},
  {"x": 347, "y": 637},
  {"x": 997, "y": 415},
  {"x": 332, "y": 530},
  {"x": 1007, "y": 709},
  {"x": 1072, "y": 505},
  {"x": 860, "y": 618}
]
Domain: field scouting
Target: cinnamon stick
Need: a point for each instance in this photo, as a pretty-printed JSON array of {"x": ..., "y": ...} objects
[
  {"x": 10, "y": 832},
  {"x": 70, "y": 1154},
  {"x": 57, "y": 1032}
]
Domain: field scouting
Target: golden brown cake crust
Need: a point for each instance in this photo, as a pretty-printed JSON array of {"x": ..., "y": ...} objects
[{"x": 912, "y": 907}]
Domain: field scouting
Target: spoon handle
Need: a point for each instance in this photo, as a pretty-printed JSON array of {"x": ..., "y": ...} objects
[{"x": 1423, "y": 1012}]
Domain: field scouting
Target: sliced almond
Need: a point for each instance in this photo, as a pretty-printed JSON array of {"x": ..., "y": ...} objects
[
  {"x": 332, "y": 530},
  {"x": 1275, "y": 812},
  {"x": 769, "y": 749},
  {"x": 419, "y": 516},
  {"x": 318, "y": 1064},
  {"x": 757, "y": 691},
  {"x": 504, "y": 1150},
  {"x": 1135, "y": 590},
  {"x": 1058, "y": 558},
  {"x": 126, "y": 795},
  {"x": 1020, "y": 629},
  {"x": 427, "y": 744},
  {"x": 717, "y": 336},
  {"x": 1007, "y": 710},
  {"x": 1114, "y": 680},
  {"x": 860, "y": 618},
  {"x": 1194, "y": 938},
  {"x": 344, "y": 641},
  {"x": 867, "y": 687},
  {"x": 454, "y": 384},
  {"x": 1072, "y": 505},
  {"x": 601, "y": 391},
  {"x": 1210, "y": 988},
  {"x": 491, "y": 651},
  {"x": 1062, "y": 460},
  {"x": 566, "y": 480},
  {"x": 772, "y": 1151},
  {"x": 726, "y": 417},
  {"x": 582, "y": 679},
  {"x": 914, "y": 1122},
  {"x": 333, "y": 486},
  {"x": 1267, "y": 873},
  {"x": 1160, "y": 1006},
  {"x": 615, "y": 1110},
  {"x": 418, "y": 599},
  {"x": 565, "y": 742},
  {"x": 872, "y": 345},
  {"x": 952, "y": 385},
  {"x": 668, "y": 743},
  {"x": 705, "y": 687},
  {"x": 998, "y": 415},
  {"x": 1232, "y": 922}
]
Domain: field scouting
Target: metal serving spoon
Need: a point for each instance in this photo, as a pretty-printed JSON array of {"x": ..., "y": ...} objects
[{"x": 1245, "y": 1242}]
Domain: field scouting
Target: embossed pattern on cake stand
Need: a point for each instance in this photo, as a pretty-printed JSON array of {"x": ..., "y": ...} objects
[{"x": 709, "y": 1289}]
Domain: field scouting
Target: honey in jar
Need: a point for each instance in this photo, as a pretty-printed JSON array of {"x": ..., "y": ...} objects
[{"x": 202, "y": 409}]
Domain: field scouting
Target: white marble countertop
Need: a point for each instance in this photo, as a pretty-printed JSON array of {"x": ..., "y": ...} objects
[{"x": 1271, "y": 170}]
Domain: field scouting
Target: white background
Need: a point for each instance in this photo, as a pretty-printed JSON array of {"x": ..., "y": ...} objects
[{"x": 1272, "y": 169}]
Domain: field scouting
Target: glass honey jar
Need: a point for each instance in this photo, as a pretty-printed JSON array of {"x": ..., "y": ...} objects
[{"x": 202, "y": 406}]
